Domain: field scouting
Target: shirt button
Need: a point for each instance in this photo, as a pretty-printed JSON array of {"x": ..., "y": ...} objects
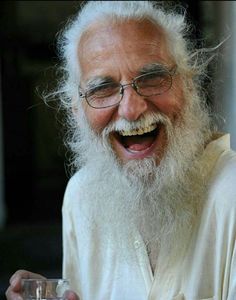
[{"x": 136, "y": 244}]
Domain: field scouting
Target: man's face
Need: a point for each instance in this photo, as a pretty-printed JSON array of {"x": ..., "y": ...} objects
[{"x": 121, "y": 52}]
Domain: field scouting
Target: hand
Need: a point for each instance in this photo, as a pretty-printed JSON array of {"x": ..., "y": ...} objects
[
  {"x": 14, "y": 290},
  {"x": 70, "y": 295}
]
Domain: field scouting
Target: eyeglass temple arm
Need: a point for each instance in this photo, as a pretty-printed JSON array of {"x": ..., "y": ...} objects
[
  {"x": 173, "y": 70},
  {"x": 81, "y": 94}
]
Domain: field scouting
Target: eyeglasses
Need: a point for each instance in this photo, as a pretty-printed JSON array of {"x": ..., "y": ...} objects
[{"x": 110, "y": 94}]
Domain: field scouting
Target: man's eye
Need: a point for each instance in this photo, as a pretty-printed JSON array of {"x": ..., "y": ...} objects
[
  {"x": 103, "y": 90},
  {"x": 154, "y": 79}
]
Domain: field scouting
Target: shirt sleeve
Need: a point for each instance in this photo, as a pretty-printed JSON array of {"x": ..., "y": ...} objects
[
  {"x": 232, "y": 283},
  {"x": 230, "y": 178},
  {"x": 70, "y": 250}
]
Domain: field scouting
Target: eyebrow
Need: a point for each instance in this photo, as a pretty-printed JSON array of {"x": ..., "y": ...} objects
[
  {"x": 98, "y": 80},
  {"x": 153, "y": 67}
]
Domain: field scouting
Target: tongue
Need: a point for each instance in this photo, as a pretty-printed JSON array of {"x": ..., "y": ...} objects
[{"x": 138, "y": 143}]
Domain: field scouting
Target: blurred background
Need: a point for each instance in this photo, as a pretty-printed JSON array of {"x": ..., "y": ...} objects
[{"x": 33, "y": 172}]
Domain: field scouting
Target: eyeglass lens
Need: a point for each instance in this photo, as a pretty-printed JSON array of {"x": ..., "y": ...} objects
[{"x": 110, "y": 94}]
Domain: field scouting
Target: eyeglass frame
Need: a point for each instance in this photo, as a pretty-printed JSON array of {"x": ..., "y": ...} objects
[{"x": 170, "y": 71}]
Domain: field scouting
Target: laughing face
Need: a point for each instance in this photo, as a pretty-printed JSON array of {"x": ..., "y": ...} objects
[{"x": 118, "y": 53}]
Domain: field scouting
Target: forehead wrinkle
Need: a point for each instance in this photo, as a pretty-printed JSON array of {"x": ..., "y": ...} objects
[
  {"x": 93, "y": 38},
  {"x": 116, "y": 31},
  {"x": 112, "y": 38}
]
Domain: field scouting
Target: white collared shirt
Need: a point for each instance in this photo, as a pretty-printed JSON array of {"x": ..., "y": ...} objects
[{"x": 207, "y": 271}]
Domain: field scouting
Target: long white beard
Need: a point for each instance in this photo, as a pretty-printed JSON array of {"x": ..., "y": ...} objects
[{"x": 158, "y": 201}]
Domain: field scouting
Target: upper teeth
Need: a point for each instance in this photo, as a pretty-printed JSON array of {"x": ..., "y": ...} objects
[{"x": 138, "y": 131}]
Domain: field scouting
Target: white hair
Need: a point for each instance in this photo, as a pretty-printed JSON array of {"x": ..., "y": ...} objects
[
  {"x": 95, "y": 11},
  {"x": 191, "y": 63},
  {"x": 173, "y": 25},
  {"x": 168, "y": 206}
]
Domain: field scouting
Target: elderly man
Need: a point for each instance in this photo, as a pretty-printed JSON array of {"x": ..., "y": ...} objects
[{"x": 150, "y": 212}]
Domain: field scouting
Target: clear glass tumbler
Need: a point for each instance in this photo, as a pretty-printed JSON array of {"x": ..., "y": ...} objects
[{"x": 40, "y": 289}]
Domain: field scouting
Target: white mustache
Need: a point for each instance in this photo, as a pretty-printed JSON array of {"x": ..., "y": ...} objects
[{"x": 145, "y": 121}]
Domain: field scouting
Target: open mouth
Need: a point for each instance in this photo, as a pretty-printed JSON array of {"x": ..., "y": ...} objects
[{"x": 139, "y": 141}]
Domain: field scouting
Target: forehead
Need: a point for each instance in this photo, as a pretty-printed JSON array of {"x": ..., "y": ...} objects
[{"x": 119, "y": 47}]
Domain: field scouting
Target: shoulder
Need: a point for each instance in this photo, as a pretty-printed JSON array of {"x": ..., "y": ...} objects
[
  {"x": 73, "y": 189},
  {"x": 224, "y": 173},
  {"x": 222, "y": 186}
]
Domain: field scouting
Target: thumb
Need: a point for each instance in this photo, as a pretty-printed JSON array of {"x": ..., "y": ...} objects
[{"x": 70, "y": 295}]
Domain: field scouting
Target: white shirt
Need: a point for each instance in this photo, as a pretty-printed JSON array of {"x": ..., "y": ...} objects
[{"x": 207, "y": 271}]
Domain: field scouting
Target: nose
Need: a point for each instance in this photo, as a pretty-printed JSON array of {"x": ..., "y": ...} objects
[{"x": 132, "y": 105}]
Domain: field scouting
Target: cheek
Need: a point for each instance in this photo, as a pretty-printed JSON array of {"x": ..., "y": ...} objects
[
  {"x": 170, "y": 103},
  {"x": 97, "y": 118}
]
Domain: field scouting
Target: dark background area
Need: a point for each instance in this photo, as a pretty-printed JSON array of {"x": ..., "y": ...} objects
[{"x": 35, "y": 175}]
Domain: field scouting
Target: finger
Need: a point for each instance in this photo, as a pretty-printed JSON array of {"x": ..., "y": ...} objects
[
  {"x": 10, "y": 295},
  {"x": 70, "y": 295},
  {"x": 15, "y": 280}
]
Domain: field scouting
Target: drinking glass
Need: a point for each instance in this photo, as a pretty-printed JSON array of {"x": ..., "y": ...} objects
[{"x": 44, "y": 289}]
